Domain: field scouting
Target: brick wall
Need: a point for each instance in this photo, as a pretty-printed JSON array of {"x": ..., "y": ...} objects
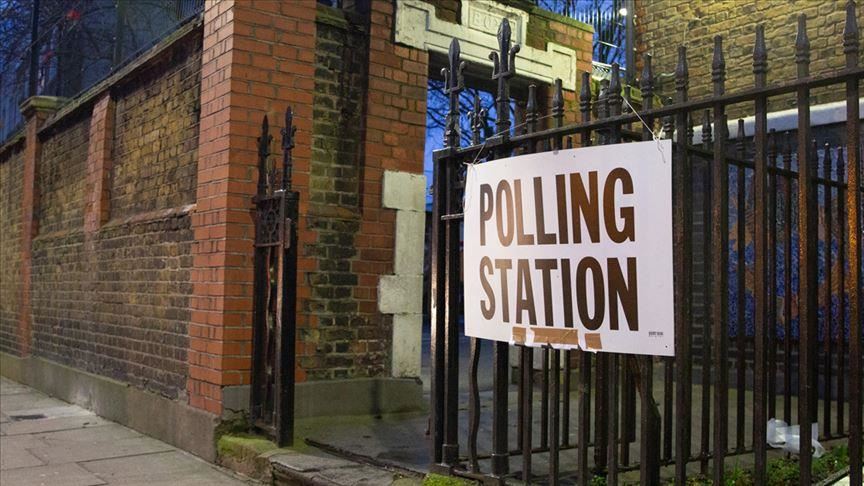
[
  {"x": 112, "y": 297},
  {"x": 258, "y": 57},
  {"x": 11, "y": 175},
  {"x": 156, "y": 138},
  {"x": 662, "y": 25},
  {"x": 340, "y": 340},
  {"x": 60, "y": 178}
]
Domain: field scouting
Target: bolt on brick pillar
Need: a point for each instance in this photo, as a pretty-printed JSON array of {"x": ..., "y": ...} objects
[
  {"x": 258, "y": 57},
  {"x": 36, "y": 110}
]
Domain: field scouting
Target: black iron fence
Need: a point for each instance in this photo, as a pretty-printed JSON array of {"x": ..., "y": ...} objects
[
  {"x": 767, "y": 241},
  {"x": 275, "y": 290},
  {"x": 76, "y": 44}
]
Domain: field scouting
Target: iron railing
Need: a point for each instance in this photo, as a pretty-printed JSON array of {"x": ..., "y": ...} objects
[
  {"x": 793, "y": 249},
  {"x": 275, "y": 290},
  {"x": 78, "y": 43}
]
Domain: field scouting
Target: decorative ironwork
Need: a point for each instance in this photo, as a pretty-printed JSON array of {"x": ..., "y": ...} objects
[
  {"x": 750, "y": 324},
  {"x": 274, "y": 325}
]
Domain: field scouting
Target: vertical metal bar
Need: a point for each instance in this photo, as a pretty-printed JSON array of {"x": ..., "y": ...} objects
[
  {"x": 260, "y": 286},
  {"x": 584, "y": 386},
  {"x": 841, "y": 325},
  {"x": 544, "y": 398},
  {"x": 740, "y": 274},
  {"x": 601, "y": 420},
  {"x": 854, "y": 282},
  {"x": 503, "y": 68},
  {"x": 527, "y": 353},
  {"x": 436, "y": 312},
  {"x": 474, "y": 405},
  {"x": 787, "y": 284},
  {"x": 526, "y": 363},
  {"x": 454, "y": 84},
  {"x": 288, "y": 321},
  {"x": 119, "y": 26},
  {"x": 771, "y": 254},
  {"x": 478, "y": 124},
  {"x": 649, "y": 453},
  {"x": 613, "y": 384},
  {"x": 718, "y": 299},
  {"x": 807, "y": 227},
  {"x": 558, "y": 118},
  {"x": 554, "y": 425},
  {"x": 682, "y": 225},
  {"x": 705, "y": 431},
  {"x": 760, "y": 192},
  {"x": 33, "y": 75},
  {"x": 828, "y": 203},
  {"x": 668, "y": 416},
  {"x": 288, "y": 284},
  {"x": 613, "y": 409},
  {"x": 565, "y": 400}
]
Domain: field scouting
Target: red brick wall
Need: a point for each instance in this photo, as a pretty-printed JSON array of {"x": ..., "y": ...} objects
[{"x": 258, "y": 57}]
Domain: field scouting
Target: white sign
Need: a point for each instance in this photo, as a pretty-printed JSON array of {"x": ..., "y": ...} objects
[{"x": 572, "y": 249}]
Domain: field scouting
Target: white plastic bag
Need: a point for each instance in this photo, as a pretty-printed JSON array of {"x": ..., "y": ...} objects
[{"x": 781, "y": 435}]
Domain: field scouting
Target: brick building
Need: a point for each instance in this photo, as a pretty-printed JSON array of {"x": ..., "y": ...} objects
[
  {"x": 663, "y": 25},
  {"x": 126, "y": 248}
]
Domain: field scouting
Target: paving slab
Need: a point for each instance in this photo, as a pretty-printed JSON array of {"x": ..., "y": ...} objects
[
  {"x": 59, "y": 454},
  {"x": 14, "y": 403},
  {"x": 51, "y": 475},
  {"x": 16, "y": 457},
  {"x": 22, "y": 427},
  {"x": 168, "y": 468},
  {"x": 47, "y": 442},
  {"x": 328, "y": 470}
]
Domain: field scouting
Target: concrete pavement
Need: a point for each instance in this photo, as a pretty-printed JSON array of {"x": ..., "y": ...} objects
[{"x": 46, "y": 442}]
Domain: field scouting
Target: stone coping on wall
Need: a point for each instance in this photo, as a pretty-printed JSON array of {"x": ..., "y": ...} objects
[
  {"x": 417, "y": 26},
  {"x": 781, "y": 121},
  {"x": 143, "y": 61}
]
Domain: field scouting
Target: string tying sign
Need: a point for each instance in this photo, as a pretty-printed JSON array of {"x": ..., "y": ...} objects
[{"x": 572, "y": 249}]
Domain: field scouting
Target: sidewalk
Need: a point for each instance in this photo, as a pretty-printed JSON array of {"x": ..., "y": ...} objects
[{"x": 46, "y": 442}]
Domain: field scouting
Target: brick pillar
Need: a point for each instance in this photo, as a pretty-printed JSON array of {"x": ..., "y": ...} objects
[
  {"x": 36, "y": 110},
  {"x": 394, "y": 150},
  {"x": 97, "y": 196},
  {"x": 258, "y": 57}
]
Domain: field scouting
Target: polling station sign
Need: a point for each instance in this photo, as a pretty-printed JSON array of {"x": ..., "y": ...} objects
[{"x": 572, "y": 249}]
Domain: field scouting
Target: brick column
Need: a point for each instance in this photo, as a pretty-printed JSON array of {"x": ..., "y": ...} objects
[
  {"x": 36, "y": 110},
  {"x": 99, "y": 162},
  {"x": 258, "y": 57},
  {"x": 394, "y": 150}
]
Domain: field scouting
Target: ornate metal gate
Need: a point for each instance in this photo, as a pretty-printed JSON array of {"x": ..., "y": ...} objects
[
  {"x": 796, "y": 189},
  {"x": 275, "y": 290}
]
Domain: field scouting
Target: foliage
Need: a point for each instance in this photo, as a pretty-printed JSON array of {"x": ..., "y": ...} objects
[
  {"x": 783, "y": 471},
  {"x": 439, "y": 480}
]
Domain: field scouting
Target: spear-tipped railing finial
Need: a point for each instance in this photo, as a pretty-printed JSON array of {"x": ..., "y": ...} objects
[
  {"x": 454, "y": 83},
  {"x": 263, "y": 154},
  {"x": 802, "y": 48},
  {"x": 615, "y": 90},
  {"x": 478, "y": 119},
  {"x": 760, "y": 57},
  {"x": 503, "y": 68},
  {"x": 682, "y": 74},
  {"x": 850, "y": 36},
  {"x": 287, "y": 145}
]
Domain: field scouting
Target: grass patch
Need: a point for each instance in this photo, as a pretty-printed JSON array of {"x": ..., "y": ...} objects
[
  {"x": 783, "y": 471},
  {"x": 439, "y": 480}
]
